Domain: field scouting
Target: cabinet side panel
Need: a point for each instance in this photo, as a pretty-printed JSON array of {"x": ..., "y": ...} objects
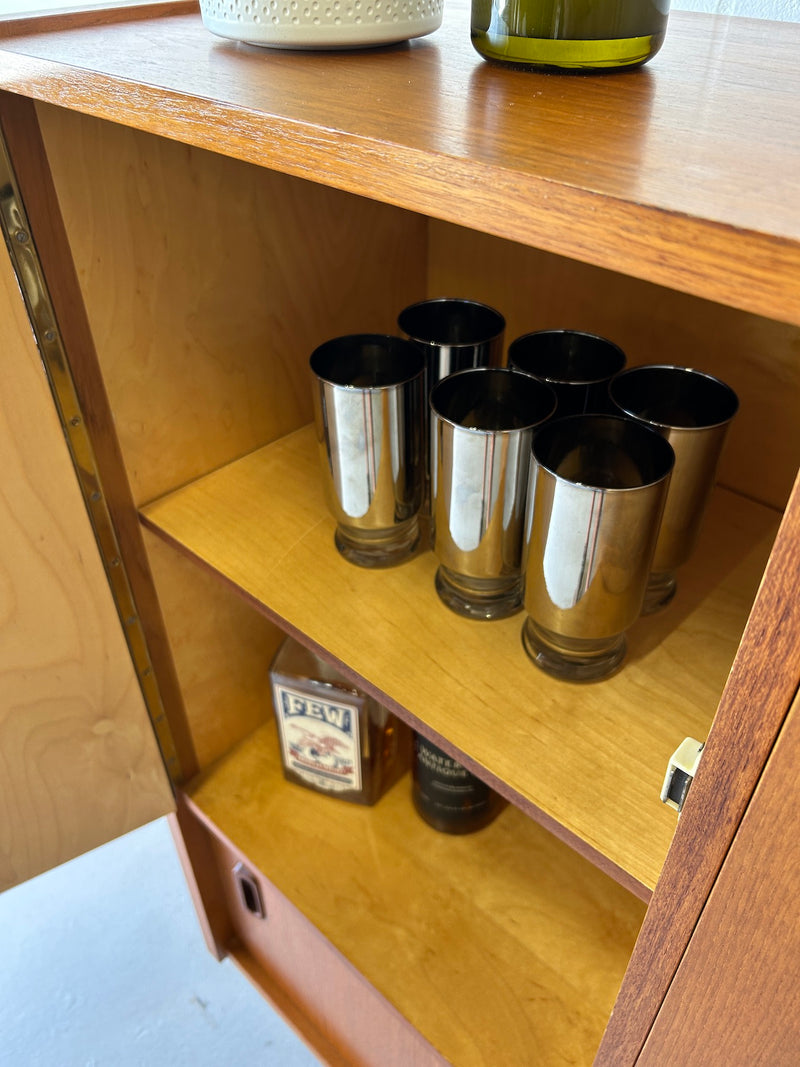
[
  {"x": 79, "y": 763},
  {"x": 756, "y": 356},
  {"x": 737, "y": 991},
  {"x": 208, "y": 282},
  {"x": 761, "y": 686}
]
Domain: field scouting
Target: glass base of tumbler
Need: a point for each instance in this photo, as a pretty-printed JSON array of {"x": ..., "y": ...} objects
[
  {"x": 570, "y": 658},
  {"x": 660, "y": 591},
  {"x": 378, "y": 548},
  {"x": 479, "y": 598}
]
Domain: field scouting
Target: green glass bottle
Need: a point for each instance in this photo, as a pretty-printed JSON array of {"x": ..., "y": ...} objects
[{"x": 569, "y": 34}]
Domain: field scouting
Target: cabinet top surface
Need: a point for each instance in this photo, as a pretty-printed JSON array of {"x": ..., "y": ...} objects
[{"x": 685, "y": 172}]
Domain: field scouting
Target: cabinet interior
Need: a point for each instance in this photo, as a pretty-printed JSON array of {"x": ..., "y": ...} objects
[{"x": 207, "y": 283}]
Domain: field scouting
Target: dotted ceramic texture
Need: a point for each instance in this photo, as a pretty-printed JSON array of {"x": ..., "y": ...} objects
[{"x": 321, "y": 23}]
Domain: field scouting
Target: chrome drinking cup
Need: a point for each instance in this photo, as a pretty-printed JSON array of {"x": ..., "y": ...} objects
[
  {"x": 598, "y": 484},
  {"x": 454, "y": 334},
  {"x": 578, "y": 367},
  {"x": 693, "y": 411},
  {"x": 483, "y": 421},
  {"x": 369, "y": 414}
]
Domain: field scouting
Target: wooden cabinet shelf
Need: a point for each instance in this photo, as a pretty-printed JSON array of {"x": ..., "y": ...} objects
[
  {"x": 204, "y": 214},
  {"x": 491, "y": 944},
  {"x": 588, "y": 761},
  {"x": 625, "y": 173}
]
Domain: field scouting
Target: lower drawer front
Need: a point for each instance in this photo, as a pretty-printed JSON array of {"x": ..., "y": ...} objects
[{"x": 340, "y": 1015}]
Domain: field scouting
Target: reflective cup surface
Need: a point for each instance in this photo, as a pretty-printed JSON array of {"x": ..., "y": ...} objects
[
  {"x": 578, "y": 366},
  {"x": 483, "y": 421},
  {"x": 693, "y": 411},
  {"x": 454, "y": 334},
  {"x": 368, "y": 413},
  {"x": 598, "y": 484}
]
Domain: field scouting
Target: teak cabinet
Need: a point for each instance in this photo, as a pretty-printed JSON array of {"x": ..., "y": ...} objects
[{"x": 187, "y": 219}]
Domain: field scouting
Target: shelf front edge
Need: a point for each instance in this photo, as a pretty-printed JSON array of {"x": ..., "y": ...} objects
[{"x": 741, "y": 268}]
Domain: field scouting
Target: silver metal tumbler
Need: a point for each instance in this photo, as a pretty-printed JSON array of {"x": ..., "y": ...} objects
[
  {"x": 693, "y": 411},
  {"x": 483, "y": 421},
  {"x": 369, "y": 415},
  {"x": 576, "y": 365},
  {"x": 597, "y": 489},
  {"x": 454, "y": 334}
]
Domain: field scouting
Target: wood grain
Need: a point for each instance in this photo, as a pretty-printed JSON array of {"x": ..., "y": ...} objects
[
  {"x": 333, "y": 1008},
  {"x": 20, "y": 127},
  {"x": 558, "y": 749},
  {"x": 202, "y": 878},
  {"x": 90, "y": 15},
  {"x": 239, "y": 274},
  {"x": 626, "y": 173},
  {"x": 79, "y": 762},
  {"x": 489, "y": 969},
  {"x": 222, "y": 650},
  {"x": 758, "y": 357},
  {"x": 736, "y": 990},
  {"x": 762, "y": 683},
  {"x": 683, "y": 175},
  {"x": 271, "y": 988}
]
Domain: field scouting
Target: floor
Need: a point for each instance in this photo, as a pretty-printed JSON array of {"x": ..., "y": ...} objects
[{"x": 102, "y": 964}]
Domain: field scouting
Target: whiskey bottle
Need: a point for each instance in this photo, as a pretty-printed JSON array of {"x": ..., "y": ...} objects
[
  {"x": 448, "y": 796},
  {"x": 333, "y": 736}
]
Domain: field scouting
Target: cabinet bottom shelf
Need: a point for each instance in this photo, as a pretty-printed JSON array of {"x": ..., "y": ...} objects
[{"x": 493, "y": 947}]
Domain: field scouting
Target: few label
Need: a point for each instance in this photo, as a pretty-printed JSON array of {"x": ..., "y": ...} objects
[{"x": 319, "y": 740}]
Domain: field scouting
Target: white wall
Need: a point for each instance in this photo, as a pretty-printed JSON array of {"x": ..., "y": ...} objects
[{"x": 782, "y": 10}]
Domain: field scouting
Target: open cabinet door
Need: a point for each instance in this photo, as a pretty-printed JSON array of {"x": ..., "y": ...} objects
[
  {"x": 717, "y": 957},
  {"x": 79, "y": 762},
  {"x": 736, "y": 995}
]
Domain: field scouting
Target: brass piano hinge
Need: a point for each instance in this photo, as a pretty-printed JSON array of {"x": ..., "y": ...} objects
[{"x": 28, "y": 269}]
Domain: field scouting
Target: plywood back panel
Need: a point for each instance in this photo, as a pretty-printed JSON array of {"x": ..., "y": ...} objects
[
  {"x": 208, "y": 282},
  {"x": 78, "y": 759},
  {"x": 758, "y": 357}
]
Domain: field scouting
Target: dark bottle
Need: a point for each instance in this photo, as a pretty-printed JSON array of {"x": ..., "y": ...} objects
[
  {"x": 334, "y": 737},
  {"x": 569, "y": 34},
  {"x": 447, "y": 795}
]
